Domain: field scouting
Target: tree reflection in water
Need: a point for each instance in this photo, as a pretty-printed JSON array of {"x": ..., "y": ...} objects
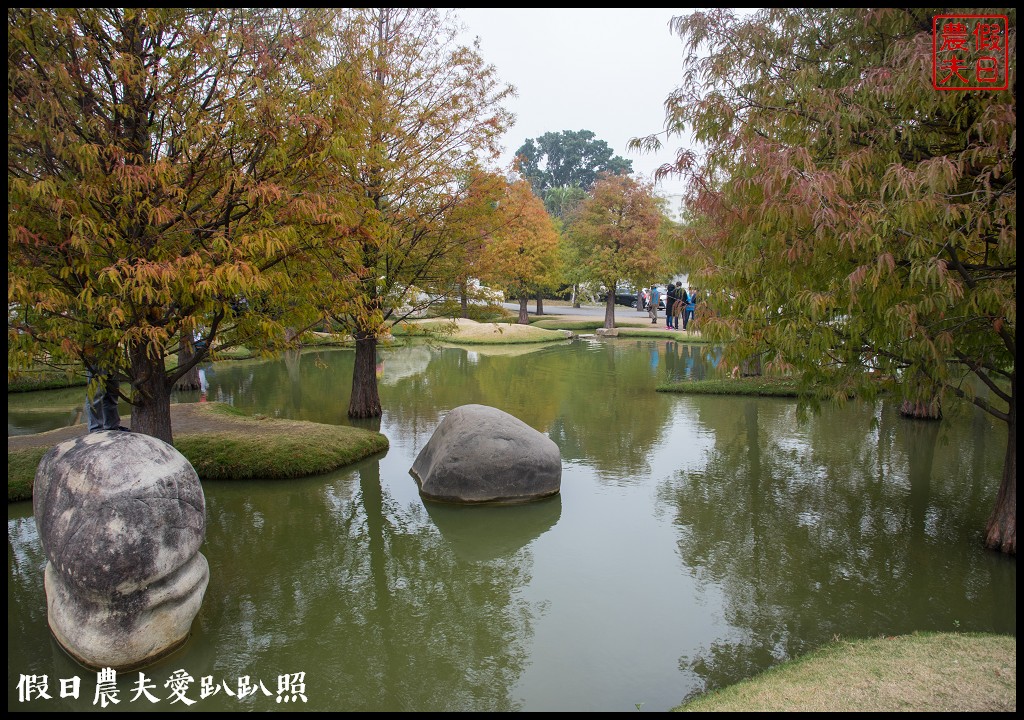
[
  {"x": 801, "y": 523},
  {"x": 374, "y": 592},
  {"x": 697, "y": 540}
]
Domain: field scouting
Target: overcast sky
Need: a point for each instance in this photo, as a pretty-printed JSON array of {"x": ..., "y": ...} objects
[{"x": 604, "y": 70}]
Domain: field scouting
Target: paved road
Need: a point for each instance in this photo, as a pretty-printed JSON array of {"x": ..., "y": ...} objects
[{"x": 591, "y": 310}]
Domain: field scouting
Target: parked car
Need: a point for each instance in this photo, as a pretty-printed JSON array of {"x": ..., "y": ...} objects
[
  {"x": 661, "y": 298},
  {"x": 624, "y": 295},
  {"x": 482, "y": 295}
]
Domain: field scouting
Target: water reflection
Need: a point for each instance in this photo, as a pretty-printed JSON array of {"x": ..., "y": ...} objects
[
  {"x": 491, "y": 532},
  {"x": 824, "y": 529},
  {"x": 696, "y": 540}
]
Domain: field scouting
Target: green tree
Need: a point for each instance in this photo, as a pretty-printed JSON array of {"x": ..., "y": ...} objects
[
  {"x": 562, "y": 203},
  {"x": 150, "y": 152},
  {"x": 617, "y": 235},
  {"x": 855, "y": 224},
  {"x": 428, "y": 115},
  {"x": 567, "y": 159}
]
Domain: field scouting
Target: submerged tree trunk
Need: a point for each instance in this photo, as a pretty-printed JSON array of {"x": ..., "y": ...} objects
[
  {"x": 524, "y": 313},
  {"x": 365, "y": 401},
  {"x": 151, "y": 395},
  {"x": 540, "y": 303},
  {"x": 1001, "y": 531}
]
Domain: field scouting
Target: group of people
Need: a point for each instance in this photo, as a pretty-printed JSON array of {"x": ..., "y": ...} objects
[{"x": 678, "y": 304}]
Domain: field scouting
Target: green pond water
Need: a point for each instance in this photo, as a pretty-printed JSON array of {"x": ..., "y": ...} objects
[{"x": 696, "y": 541}]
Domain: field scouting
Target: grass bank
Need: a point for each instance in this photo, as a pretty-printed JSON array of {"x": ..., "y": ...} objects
[
  {"x": 222, "y": 444},
  {"x": 763, "y": 386},
  {"x": 46, "y": 378},
  {"x": 923, "y": 672},
  {"x": 21, "y": 472},
  {"x": 471, "y": 332},
  {"x": 55, "y": 377}
]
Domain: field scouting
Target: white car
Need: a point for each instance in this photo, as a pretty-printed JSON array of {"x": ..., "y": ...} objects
[{"x": 482, "y": 294}]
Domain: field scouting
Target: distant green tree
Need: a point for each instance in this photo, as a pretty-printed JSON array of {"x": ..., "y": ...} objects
[
  {"x": 562, "y": 203},
  {"x": 567, "y": 158}
]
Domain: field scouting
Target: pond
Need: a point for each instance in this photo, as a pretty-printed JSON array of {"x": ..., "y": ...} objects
[{"x": 696, "y": 541}]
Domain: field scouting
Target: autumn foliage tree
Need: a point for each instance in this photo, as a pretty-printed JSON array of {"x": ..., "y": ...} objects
[
  {"x": 562, "y": 204},
  {"x": 617, "y": 235},
  {"x": 469, "y": 229},
  {"x": 521, "y": 253},
  {"x": 151, "y": 157},
  {"x": 854, "y": 224},
  {"x": 424, "y": 114},
  {"x": 562, "y": 167}
]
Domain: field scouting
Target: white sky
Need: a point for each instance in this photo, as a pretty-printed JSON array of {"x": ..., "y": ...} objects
[{"x": 604, "y": 70}]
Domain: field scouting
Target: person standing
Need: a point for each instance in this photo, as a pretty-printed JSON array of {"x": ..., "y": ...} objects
[
  {"x": 101, "y": 412},
  {"x": 652, "y": 304},
  {"x": 691, "y": 306},
  {"x": 670, "y": 300},
  {"x": 677, "y": 306}
]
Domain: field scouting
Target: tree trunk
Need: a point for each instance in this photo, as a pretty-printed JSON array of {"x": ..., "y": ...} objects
[
  {"x": 609, "y": 310},
  {"x": 151, "y": 395},
  {"x": 576, "y": 295},
  {"x": 1001, "y": 531},
  {"x": 187, "y": 351},
  {"x": 540, "y": 303},
  {"x": 524, "y": 314},
  {"x": 751, "y": 367},
  {"x": 365, "y": 401},
  {"x": 464, "y": 300},
  {"x": 920, "y": 410}
]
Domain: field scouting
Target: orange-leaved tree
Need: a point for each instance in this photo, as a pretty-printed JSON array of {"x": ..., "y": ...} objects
[
  {"x": 617, "y": 232},
  {"x": 428, "y": 113},
  {"x": 151, "y": 159},
  {"x": 522, "y": 251}
]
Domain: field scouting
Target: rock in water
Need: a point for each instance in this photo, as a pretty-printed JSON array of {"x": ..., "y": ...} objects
[
  {"x": 479, "y": 454},
  {"x": 121, "y": 517}
]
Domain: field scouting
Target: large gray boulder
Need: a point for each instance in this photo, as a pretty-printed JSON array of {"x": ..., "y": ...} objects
[
  {"x": 479, "y": 454},
  {"x": 121, "y": 517}
]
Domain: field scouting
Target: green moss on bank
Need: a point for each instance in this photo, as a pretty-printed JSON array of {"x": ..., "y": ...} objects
[
  {"x": 923, "y": 672},
  {"x": 21, "y": 472},
  {"x": 759, "y": 386},
  {"x": 300, "y": 450},
  {"x": 45, "y": 379},
  {"x": 222, "y": 443}
]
